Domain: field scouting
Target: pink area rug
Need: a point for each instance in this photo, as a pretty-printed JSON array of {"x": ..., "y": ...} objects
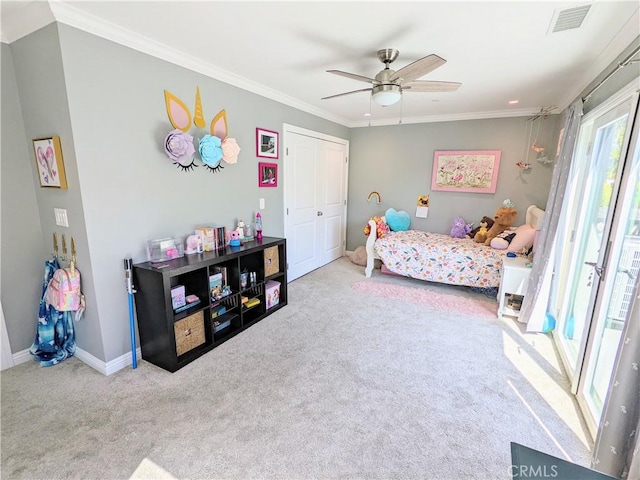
[{"x": 477, "y": 307}]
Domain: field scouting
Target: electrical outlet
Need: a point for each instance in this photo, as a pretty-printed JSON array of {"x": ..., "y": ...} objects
[{"x": 262, "y": 204}]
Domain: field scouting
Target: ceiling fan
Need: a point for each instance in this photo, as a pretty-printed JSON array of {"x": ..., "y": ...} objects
[{"x": 388, "y": 84}]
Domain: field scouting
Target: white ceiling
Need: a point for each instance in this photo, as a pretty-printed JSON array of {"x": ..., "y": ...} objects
[{"x": 500, "y": 51}]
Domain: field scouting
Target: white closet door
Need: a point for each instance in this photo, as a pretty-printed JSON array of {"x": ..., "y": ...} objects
[{"x": 315, "y": 201}]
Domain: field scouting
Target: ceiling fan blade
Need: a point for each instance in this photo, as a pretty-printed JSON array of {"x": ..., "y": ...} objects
[
  {"x": 347, "y": 93},
  {"x": 430, "y": 86},
  {"x": 418, "y": 68},
  {"x": 352, "y": 76}
]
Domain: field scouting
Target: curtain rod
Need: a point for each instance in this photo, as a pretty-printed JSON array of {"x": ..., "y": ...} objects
[{"x": 622, "y": 64}]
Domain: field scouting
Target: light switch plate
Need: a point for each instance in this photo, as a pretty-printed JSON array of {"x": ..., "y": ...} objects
[
  {"x": 61, "y": 217},
  {"x": 262, "y": 204}
]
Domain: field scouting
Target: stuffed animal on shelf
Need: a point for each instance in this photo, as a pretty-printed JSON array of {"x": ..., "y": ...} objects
[
  {"x": 460, "y": 228},
  {"x": 234, "y": 240},
  {"x": 483, "y": 225},
  {"x": 503, "y": 219}
]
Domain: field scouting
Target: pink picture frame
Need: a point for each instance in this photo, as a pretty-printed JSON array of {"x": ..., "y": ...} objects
[
  {"x": 472, "y": 171},
  {"x": 267, "y": 175},
  {"x": 266, "y": 143}
]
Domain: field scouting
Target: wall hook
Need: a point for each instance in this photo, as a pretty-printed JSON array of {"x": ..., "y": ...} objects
[
  {"x": 55, "y": 244},
  {"x": 64, "y": 249}
]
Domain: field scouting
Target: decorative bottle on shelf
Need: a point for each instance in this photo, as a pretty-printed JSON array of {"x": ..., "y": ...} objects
[{"x": 258, "y": 226}]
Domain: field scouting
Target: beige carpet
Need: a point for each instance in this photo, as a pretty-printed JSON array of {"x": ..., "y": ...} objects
[{"x": 339, "y": 384}]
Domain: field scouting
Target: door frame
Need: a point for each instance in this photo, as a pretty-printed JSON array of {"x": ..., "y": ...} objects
[
  {"x": 600, "y": 307},
  {"x": 7, "y": 356},
  {"x": 628, "y": 91},
  {"x": 287, "y": 130}
]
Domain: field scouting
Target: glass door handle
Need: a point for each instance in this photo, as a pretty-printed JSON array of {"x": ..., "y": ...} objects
[
  {"x": 628, "y": 272},
  {"x": 599, "y": 270}
]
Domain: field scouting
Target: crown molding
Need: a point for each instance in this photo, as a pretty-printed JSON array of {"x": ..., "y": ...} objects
[
  {"x": 36, "y": 15},
  {"x": 23, "y": 19},
  {"x": 522, "y": 112},
  {"x": 74, "y": 17},
  {"x": 625, "y": 36}
]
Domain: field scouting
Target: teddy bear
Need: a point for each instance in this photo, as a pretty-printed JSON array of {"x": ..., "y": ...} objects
[
  {"x": 503, "y": 219},
  {"x": 460, "y": 228},
  {"x": 359, "y": 256},
  {"x": 483, "y": 225}
]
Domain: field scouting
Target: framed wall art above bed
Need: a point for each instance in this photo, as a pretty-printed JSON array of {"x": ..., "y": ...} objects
[{"x": 474, "y": 171}]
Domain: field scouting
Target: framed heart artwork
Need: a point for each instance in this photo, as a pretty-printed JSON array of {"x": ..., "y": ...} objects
[{"x": 49, "y": 162}]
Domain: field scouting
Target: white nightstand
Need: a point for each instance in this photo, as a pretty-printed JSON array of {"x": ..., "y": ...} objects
[{"x": 513, "y": 286}]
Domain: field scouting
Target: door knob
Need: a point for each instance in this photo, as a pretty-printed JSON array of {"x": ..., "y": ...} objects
[{"x": 319, "y": 214}]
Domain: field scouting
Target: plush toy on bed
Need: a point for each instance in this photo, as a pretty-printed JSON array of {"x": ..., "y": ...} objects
[
  {"x": 381, "y": 227},
  {"x": 504, "y": 218},
  {"x": 503, "y": 240},
  {"x": 460, "y": 228},
  {"x": 398, "y": 220},
  {"x": 479, "y": 234}
]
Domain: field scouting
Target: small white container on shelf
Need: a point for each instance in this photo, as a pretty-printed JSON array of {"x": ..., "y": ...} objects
[{"x": 164, "y": 249}]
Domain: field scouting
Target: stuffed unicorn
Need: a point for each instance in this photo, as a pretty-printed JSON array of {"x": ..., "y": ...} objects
[{"x": 460, "y": 228}]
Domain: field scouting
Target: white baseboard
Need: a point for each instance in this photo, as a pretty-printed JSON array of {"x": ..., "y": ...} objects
[
  {"x": 105, "y": 368},
  {"x": 348, "y": 253},
  {"x": 21, "y": 357}
]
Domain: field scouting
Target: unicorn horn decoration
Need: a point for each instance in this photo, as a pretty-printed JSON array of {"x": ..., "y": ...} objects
[{"x": 198, "y": 117}]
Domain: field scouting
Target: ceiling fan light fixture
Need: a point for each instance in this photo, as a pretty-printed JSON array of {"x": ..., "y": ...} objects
[{"x": 385, "y": 95}]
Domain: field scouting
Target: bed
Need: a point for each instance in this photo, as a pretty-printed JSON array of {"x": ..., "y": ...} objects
[{"x": 438, "y": 257}]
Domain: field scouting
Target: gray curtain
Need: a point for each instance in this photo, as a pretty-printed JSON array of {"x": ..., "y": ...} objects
[
  {"x": 542, "y": 256},
  {"x": 617, "y": 449}
]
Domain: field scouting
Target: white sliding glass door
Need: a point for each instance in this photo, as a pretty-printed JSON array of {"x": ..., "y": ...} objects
[
  {"x": 590, "y": 248},
  {"x": 619, "y": 276}
]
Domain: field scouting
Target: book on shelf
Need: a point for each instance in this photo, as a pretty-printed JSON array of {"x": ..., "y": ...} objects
[
  {"x": 217, "y": 326},
  {"x": 217, "y": 311},
  {"x": 184, "y": 307},
  {"x": 192, "y": 299},
  {"x": 252, "y": 302},
  {"x": 223, "y": 271},
  {"x": 178, "y": 296},
  {"x": 215, "y": 286}
]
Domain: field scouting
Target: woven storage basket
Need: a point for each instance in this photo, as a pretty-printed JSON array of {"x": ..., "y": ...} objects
[
  {"x": 189, "y": 332},
  {"x": 271, "y": 261}
]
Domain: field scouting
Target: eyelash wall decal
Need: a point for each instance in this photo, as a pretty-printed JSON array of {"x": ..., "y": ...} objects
[
  {"x": 214, "y": 169},
  {"x": 186, "y": 168}
]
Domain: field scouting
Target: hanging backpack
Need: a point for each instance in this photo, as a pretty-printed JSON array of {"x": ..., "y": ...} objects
[{"x": 63, "y": 291}]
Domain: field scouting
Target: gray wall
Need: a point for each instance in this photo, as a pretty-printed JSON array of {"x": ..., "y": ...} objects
[
  {"x": 397, "y": 162},
  {"x": 43, "y": 97},
  {"x": 106, "y": 102},
  {"x": 23, "y": 251}
]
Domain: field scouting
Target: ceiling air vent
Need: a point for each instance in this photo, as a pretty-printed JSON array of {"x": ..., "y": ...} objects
[{"x": 569, "y": 18}]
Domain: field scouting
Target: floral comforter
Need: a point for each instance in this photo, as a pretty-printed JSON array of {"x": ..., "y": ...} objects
[{"x": 439, "y": 258}]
